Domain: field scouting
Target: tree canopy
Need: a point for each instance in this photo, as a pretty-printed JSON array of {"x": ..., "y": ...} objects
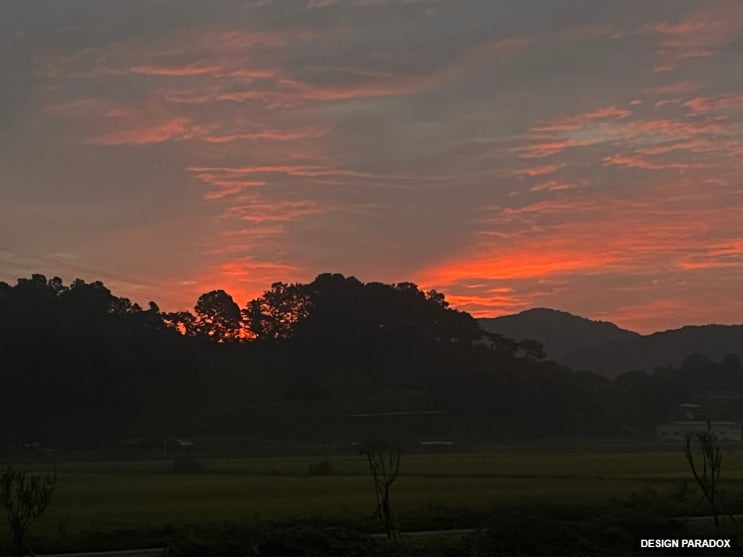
[
  {"x": 83, "y": 367},
  {"x": 332, "y": 309}
]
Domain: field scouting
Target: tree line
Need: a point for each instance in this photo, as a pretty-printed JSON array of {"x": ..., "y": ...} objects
[{"x": 82, "y": 367}]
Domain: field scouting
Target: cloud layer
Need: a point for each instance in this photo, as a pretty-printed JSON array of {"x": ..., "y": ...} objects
[{"x": 586, "y": 157}]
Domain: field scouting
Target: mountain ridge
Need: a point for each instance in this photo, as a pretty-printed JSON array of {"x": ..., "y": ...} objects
[
  {"x": 560, "y": 332},
  {"x": 602, "y": 347}
]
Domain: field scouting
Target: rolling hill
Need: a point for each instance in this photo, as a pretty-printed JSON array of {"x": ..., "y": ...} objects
[
  {"x": 602, "y": 347},
  {"x": 559, "y": 332},
  {"x": 658, "y": 349}
]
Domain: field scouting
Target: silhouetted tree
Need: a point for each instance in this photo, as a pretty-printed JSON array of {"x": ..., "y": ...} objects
[
  {"x": 93, "y": 300},
  {"x": 97, "y": 368},
  {"x": 708, "y": 477},
  {"x": 350, "y": 314},
  {"x": 437, "y": 298},
  {"x": 24, "y": 497},
  {"x": 218, "y": 316},
  {"x": 384, "y": 466},
  {"x": 183, "y": 322},
  {"x": 152, "y": 317},
  {"x": 501, "y": 344},
  {"x": 278, "y": 312}
]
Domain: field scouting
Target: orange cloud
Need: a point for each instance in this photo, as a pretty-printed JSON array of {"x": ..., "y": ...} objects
[
  {"x": 606, "y": 112},
  {"x": 208, "y": 173},
  {"x": 703, "y": 105},
  {"x": 225, "y": 136},
  {"x": 669, "y": 229},
  {"x": 651, "y": 315},
  {"x": 641, "y": 162},
  {"x": 556, "y": 185},
  {"x": 541, "y": 149},
  {"x": 650, "y": 139},
  {"x": 213, "y": 51},
  {"x": 245, "y": 278},
  {"x": 513, "y": 263},
  {"x": 539, "y": 170},
  {"x": 226, "y": 188},
  {"x": 719, "y": 255},
  {"x": 679, "y": 128},
  {"x": 386, "y": 84},
  {"x": 177, "y": 128},
  {"x": 663, "y": 310},
  {"x": 281, "y": 90},
  {"x": 225, "y": 69},
  {"x": 591, "y": 128},
  {"x": 581, "y": 120},
  {"x": 175, "y": 71},
  {"x": 701, "y": 34},
  {"x": 698, "y": 145},
  {"x": 487, "y": 305},
  {"x": 289, "y": 169},
  {"x": 677, "y": 88},
  {"x": 265, "y": 211},
  {"x": 153, "y": 122}
]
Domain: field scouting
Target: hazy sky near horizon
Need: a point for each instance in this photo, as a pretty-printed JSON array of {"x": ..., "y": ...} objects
[{"x": 580, "y": 155}]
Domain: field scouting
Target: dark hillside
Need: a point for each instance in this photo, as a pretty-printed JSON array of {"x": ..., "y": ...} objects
[
  {"x": 84, "y": 368},
  {"x": 317, "y": 364},
  {"x": 667, "y": 348},
  {"x": 558, "y": 331}
]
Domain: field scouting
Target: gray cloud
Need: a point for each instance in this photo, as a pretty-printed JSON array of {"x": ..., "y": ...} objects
[{"x": 482, "y": 147}]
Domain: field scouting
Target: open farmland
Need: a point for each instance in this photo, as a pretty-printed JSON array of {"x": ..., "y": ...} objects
[{"x": 107, "y": 496}]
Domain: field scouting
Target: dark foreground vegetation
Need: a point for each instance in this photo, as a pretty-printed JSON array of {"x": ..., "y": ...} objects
[
  {"x": 608, "y": 530},
  {"x": 321, "y": 363},
  {"x": 322, "y": 368},
  {"x": 521, "y": 533}
]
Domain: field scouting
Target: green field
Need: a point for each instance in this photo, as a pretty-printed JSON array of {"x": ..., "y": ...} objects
[{"x": 107, "y": 496}]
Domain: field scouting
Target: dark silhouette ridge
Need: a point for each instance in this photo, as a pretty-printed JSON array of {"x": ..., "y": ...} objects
[
  {"x": 667, "y": 348},
  {"x": 602, "y": 347},
  {"x": 559, "y": 332},
  {"x": 332, "y": 361}
]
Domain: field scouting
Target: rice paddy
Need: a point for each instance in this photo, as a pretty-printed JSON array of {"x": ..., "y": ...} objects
[{"x": 107, "y": 496}]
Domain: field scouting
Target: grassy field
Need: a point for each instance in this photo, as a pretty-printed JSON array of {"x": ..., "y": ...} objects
[{"x": 106, "y": 496}]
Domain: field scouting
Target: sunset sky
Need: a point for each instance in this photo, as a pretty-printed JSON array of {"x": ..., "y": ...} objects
[{"x": 581, "y": 155}]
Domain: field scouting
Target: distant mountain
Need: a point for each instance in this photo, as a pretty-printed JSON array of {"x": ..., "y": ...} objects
[
  {"x": 665, "y": 348},
  {"x": 559, "y": 332},
  {"x": 585, "y": 345}
]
